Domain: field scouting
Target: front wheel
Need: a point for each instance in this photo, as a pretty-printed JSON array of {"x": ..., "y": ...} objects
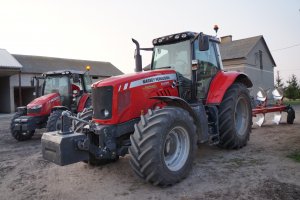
[
  {"x": 235, "y": 117},
  {"x": 163, "y": 146},
  {"x": 54, "y": 122},
  {"x": 87, "y": 115},
  {"x": 20, "y": 135}
]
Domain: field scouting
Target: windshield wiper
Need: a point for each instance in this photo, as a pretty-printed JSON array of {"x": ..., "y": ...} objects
[{"x": 166, "y": 67}]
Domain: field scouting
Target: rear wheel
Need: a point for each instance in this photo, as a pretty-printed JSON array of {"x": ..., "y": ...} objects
[
  {"x": 19, "y": 135},
  {"x": 235, "y": 117},
  {"x": 87, "y": 115},
  {"x": 163, "y": 146}
]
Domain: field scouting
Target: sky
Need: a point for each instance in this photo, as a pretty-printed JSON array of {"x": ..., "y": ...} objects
[{"x": 101, "y": 30}]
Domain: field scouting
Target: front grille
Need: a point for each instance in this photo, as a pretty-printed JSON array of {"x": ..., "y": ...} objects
[
  {"x": 37, "y": 110},
  {"x": 102, "y": 100}
]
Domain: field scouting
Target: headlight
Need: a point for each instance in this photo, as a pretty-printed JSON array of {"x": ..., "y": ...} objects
[
  {"x": 36, "y": 107},
  {"x": 105, "y": 113}
]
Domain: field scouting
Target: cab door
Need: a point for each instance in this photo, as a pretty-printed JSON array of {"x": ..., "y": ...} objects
[{"x": 208, "y": 67}]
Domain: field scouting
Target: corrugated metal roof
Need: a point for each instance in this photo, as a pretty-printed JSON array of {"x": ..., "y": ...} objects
[
  {"x": 8, "y": 61},
  {"x": 41, "y": 64}
]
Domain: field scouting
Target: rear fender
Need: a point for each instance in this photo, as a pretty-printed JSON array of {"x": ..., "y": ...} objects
[
  {"x": 82, "y": 101},
  {"x": 197, "y": 111},
  {"x": 221, "y": 82}
]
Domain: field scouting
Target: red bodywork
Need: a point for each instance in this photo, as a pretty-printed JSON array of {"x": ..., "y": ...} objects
[
  {"x": 51, "y": 100},
  {"x": 47, "y": 101},
  {"x": 132, "y": 92},
  {"x": 82, "y": 101},
  {"x": 221, "y": 82}
]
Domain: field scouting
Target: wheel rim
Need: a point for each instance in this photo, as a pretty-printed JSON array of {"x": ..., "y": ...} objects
[
  {"x": 176, "y": 148},
  {"x": 241, "y": 116}
]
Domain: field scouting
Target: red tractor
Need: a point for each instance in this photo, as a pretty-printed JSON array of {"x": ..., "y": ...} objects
[
  {"x": 61, "y": 90},
  {"x": 159, "y": 116}
]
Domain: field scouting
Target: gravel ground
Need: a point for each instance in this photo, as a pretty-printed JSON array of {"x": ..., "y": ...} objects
[{"x": 261, "y": 170}]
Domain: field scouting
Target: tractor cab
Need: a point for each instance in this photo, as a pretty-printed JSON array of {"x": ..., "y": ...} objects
[
  {"x": 195, "y": 58},
  {"x": 59, "y": 91},
  {"x": 70, "y": 85}
]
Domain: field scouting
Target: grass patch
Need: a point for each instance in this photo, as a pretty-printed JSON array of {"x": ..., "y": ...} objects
[
  {"x": 291, "y": 102},
  {"x": 295, "y": 156}
]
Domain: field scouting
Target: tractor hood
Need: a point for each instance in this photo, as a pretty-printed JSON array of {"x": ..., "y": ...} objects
[
  {"x": 132, "y": 79},
  {"x": 43, "y": 99},
  {"x": 42, "y": 105}
]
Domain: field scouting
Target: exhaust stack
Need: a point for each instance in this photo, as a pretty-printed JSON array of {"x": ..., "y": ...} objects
[{"x": 137, "y": 57}]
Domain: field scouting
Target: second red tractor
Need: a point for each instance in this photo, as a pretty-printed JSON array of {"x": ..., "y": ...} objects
[{"x": 61, "y": 90}]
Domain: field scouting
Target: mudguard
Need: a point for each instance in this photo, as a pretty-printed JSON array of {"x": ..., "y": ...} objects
[
  {"x": 59, "y": 108},
  {"x": 197, "y": 111},
  {"x": 82, "y": 101},
  {"x": 221, "y": 82}
]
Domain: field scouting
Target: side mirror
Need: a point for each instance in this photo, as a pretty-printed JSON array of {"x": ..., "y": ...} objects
[
  {"x": 203, "y": 42},
  {"x": 76, "y": 78}
]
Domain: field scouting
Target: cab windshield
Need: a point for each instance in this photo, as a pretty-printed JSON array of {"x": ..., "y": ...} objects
[
  {"x": 56, "y": 84},
  {"x": 175, "y": 56}
]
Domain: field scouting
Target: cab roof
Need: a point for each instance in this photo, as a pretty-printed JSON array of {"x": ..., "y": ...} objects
[
  {"x": 177, "y": 37},
  {"x": 64, "y": 72}
]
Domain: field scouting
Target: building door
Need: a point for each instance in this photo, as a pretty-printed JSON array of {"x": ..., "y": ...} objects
[
  {"x": 4, "y": 94},
  {"x": 27, "y": 95}
]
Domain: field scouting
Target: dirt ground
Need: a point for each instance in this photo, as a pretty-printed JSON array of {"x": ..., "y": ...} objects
[{"x": 261, "y": 170}]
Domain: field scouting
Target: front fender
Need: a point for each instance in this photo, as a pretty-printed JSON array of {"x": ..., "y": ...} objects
[
  {"x": 197, "y": 111},
  {"x": 175, "y": 101},
  {"x": 82, "y": 102},
  {"x": 221, "y": 82},
  {"x": 59, "y": 108}
]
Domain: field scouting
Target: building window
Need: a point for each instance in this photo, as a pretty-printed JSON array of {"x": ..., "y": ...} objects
[{"x": 260, "y": 59}]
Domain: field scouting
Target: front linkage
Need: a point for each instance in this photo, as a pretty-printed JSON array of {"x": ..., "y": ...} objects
[{"x": 66, "y": 146}]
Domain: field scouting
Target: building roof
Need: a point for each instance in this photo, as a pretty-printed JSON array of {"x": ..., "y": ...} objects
[
  {"x": 8, "y": 61},
  {"x": 42, "y": 64},
  {"x": 241, "y": 48}
]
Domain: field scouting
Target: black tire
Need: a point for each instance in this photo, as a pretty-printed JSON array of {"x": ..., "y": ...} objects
[
  {"x": 18, "y": 135},
  {"x": 54, "y": 121},
  {"x": 235, "y": 117},
  {"x": 78, "y": 127},
  {"x": 152, "y": 146},
  {"x": 86, "y": 115},
  {"x": 290, "y": 115}
]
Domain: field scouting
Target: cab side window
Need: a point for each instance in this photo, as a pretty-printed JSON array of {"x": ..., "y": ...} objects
[{"x": 208, "y": 68}]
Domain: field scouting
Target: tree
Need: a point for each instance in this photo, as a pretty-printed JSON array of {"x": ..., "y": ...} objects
[
  {"x": 278, "y": 81},
  {"x": 292, "y": 91}
]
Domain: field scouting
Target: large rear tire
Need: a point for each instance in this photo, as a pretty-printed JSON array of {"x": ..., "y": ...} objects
[
  {"x": 235, "y": 117},
  {"x": 19, "y": 135},
  {"x": 163, "y": 146},
  {"x": 87, "y": 115}
]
